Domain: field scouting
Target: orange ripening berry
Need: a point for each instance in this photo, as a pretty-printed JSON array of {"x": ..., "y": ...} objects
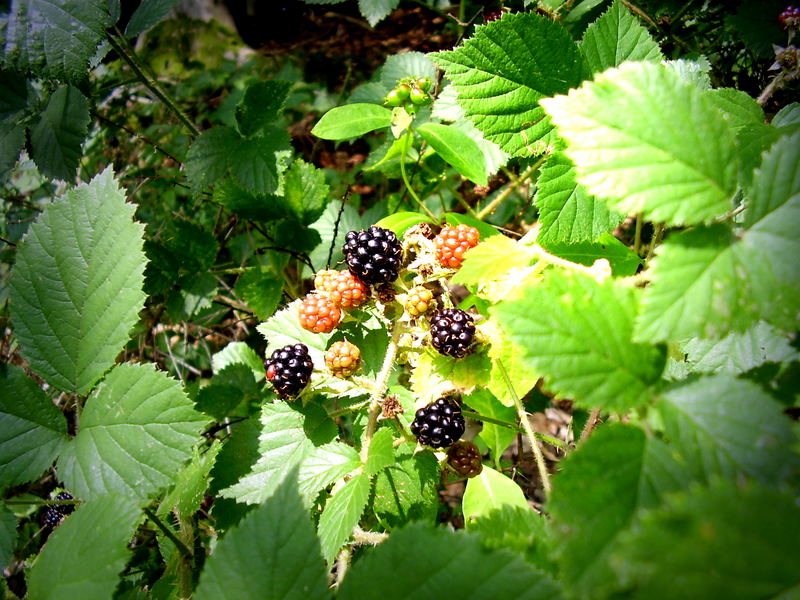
[
  {"x": 418, "y": 301},
  {"x": 342, "y": 288},
  {"x": 343, "y": 359},
  {"x": 318, "y": 314},
  {"x": 452, "y": 242}
]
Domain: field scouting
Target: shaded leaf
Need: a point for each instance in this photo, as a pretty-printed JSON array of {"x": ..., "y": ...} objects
[
  {"x": 352, "y": 120},
  {"x": 341, "y": 513}
]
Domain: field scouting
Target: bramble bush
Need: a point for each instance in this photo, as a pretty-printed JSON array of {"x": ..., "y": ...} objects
[{"x": 232, "y": 373}]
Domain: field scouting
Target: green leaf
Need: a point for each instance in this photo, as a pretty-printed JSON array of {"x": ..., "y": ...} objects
[
  {"x": 488, "y": 492},
  {"x": 401, "y": 221},
  {"x": 496, "y": 437},
  {"x": 8, "y": 535},
  {"x": 503, "y": 71},
  {"x": 324, "y": 466},
  {"x": 273, "y": 553},
  {"x": 352, "y": 120},
  {"x": 788, "y": 115},
  {"x": 624, "y": 261},
  {"x": 238, "y": 353},
  {"x": 260, "y": 105},
  {"x": 305, "y": 191},
  {"x": 283, "y": 446},
  {"x": 456, "y": 148},
  {"x": 52, "y": 39},
  {"x": 341, "y": 513},
  {"x": 256, "y": 164},
  {"x": 596, "y": 496},
  {"x": 730, "y": 540},
  {"x": 645, "y": 141},
  {"x": 13, "y": 97},
  {"x": 136, "y": 431},
  {"x": 85, "y": 555},
  {"x": 32, "y": 430},
  {"x": 148, "y": 14},
  {"x": 76, "y": 288},
  {"x": 12, "y": 140},
  {"x": 326, "y": 225},
  {"x": 616, "y": 37},
  {"x": 726, "y": 426},
  {"x": 238, "y": 454},
  {"x": 567, "y": 212},
  {"x": 421, "y": 562},
  {"x": 57, "y": 137},
  {"x": 408, "y": 490},
  {"x": 191, "y": 483},
  {"x": 737, "y": 108},
  {"x": 407, "y": 64},
  {"x": 740, "y": 352},
  {"x": 485, "y": 229},
  {"x": 491, "y": 259},
  {"x": 375, "y": 10},
  {"x": 516, "y": 528},
  {"x": 381, "y": 452},
  {"x": 577, "y": 333},
  {"x": 261, "y": 289}
]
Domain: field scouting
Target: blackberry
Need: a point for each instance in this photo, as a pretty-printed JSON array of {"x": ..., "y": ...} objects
[
  {"x": 373, "y": 255},
  {"x": 418, "y": 301},
  {"x": 343, "y": 359},
  {"x": 452, "y": 332},
  {"x": 289, "y": 369},
  {"x": 318, "y": 314},
  {"x": 342, "y": 288},
  {"x": 453, "y": 242},
  {"x": 439, "y": 424},
  {"x": 465, "y": 459},
  {"x": 56, "y": 513}
]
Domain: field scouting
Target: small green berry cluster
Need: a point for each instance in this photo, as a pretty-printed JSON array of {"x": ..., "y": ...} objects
[{"x": 410, "y": 93}]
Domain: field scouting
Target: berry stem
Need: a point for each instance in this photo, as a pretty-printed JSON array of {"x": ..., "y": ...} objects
[
  {"x": 185, "y": 552},
  {"x": 468, "y": 414},
  {"x": 637, "y": 236},
  {"x": 526, "y": 425},
  {"x": 590, "y": 424},
  {"x": 510, "y": 189},
  {"x": 407, "y": 137}
]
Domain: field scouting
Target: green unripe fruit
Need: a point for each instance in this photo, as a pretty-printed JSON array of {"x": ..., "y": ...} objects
[
  {"x": 418, "y": 96},
  {"x": 424, "y": 83},
  {"x": 403, "y": 91},
  {"x": 393, "y": 99}
]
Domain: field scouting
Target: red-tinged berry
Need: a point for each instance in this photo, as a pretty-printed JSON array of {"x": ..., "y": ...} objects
[
  {"x": 465, "y": 459},
  {"x": 343, "y": 359},
  {"x": 342, "y": 288},
  {"x": 452, "y": 242},
  {"x": 318, "y": 314},
  {"x": 418, "y": 301},
  {"x": 289, "y": 370},
  {"x": 419, "y": 96},
  {"x": 790, "y": 17},
  {"x": 452, "y": 332},
  {"x": 439, "y": 424},
  {"x": 373, "y": 255}
]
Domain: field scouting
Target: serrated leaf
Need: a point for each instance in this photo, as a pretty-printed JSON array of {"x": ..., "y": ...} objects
[
  {"x": 577, "y": 333},
  {"x": 456, "y": 148},
  {"x": 260, "y": 105},
  {"x": 737, "y": 108},
  {"x": 324, "y": 466},
  {"x": 191, "y": 483},
  {"x": 516, "y": 528},
  {"x": 491, "y": 259},
  {"x": 596, "y": 496},
  {"x": 352, "y": 120},
  {"x": 401, "y": 221},
  {"x": 616, "y": 37},
  {"x": 408, "y": 490},
  {"x": 85, "y": 555},
  {"x": 239, "y": 452},
  {"x": 485, "y": 229},
  {"x": 325, "y": 226},
  {"x": 406, "y": 64},
  {"x": 12, "y": 140},
  {"x": 8, "y": 535},
  {"x": 433, "y": 375},
  {"x": 693, "y": 72},
  {"x": 136, "y": 431},
  {"x": 148, "y": 13},
  {"x": 729, "y": 540},
  {"x": 76, "y": 287},
  {"x": 421, "y": 562},
  {"x": 52, "y": 38},
  {"x": 305, "y": 191},
  {"x": 508, "y": 364},
  {"x": 503, "y": 71},
  {"x": 726, "y": 426},
  {"x": 683, "y": 173},
  {"x": 567, "y": 212},
  {"x": 375, "y": 10},
  {"x": 341, "y": 513},
  {"x": 788, "y": 115},
  {"x": 32, "y": 430},
  {"x": 261, "y": 289},
  {"x": 238, "y": 353},
  {"x": 490, "y": 491},
  {"x": 624, "y": 261},
  {"x": 57, "y": 137},
  {"x": 283, "y": 446},
  {"x": 289, "y": 566},
  {"x": 381, "y": 452},
  {"x": 283, "y": 329}
]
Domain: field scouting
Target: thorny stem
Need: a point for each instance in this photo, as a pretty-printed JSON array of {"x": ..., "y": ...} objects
[
  {"x": 185, "y": 552},
  {"x": 120, "y": 44},
  {"x": 526, "y": 425},
  {"x": 514, "y": 427},
  {"x": 342, "y": 565},
  {"x": 406, "y": 145},
  {"x": 590, "y": 424},
  {"x": 510, "y": 189}
]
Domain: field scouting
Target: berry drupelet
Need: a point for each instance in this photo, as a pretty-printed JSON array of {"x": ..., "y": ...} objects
[
  {"x": 289, "y": 370},
  {"x": 373, "y": 255},
  {"x": 452, "y": 332},
  {"x": 439, "y": 424}
]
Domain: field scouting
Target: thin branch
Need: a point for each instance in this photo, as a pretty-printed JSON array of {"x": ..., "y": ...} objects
[
  {"x": 510, "y": 189},
  {"x": 406, "y": 145},
  {"x": 185, "y": 552},
  {"x": 591, "y": 422},
  {"x": 135, "y": 135}
]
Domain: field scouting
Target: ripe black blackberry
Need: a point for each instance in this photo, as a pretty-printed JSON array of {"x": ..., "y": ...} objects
[
  {"x": 289, "y": 369},
  {"x": 465, "y": 458},
  {"x": 439, "y": 424},
  {"x": 452, "y": 332},
  {"x": 373, "y": 255},
  {"x": 54, "y": 514}
]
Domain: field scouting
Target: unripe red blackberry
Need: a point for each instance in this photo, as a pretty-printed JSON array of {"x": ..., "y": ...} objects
[
  {"x": 452, "y": 332},
  {"x": 790, "y": 17},
  {"x": 465, "y": 459},
  {"x": 373, "y": 255},
  {"x": 418, "y": 301},
  {"x": 453, "y": 242},
  {"x": 439, "y": 424},
  {"x": 289, "y": 369},
  {"x": 343, "y": 359},
  {"x": 318, "y": 314},
  {"x": 342, "y": 288}
]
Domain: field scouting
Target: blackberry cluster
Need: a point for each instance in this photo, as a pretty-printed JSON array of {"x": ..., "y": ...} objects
[
  {"x": 289, "y": 369},
  {"x": 373, "y": 255},
  {"x": 452, "y": 332},
  {"x": 439, "y": 424},
  {"x": 465, "y": 459},
  {"x": 54, "y": 514}
]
